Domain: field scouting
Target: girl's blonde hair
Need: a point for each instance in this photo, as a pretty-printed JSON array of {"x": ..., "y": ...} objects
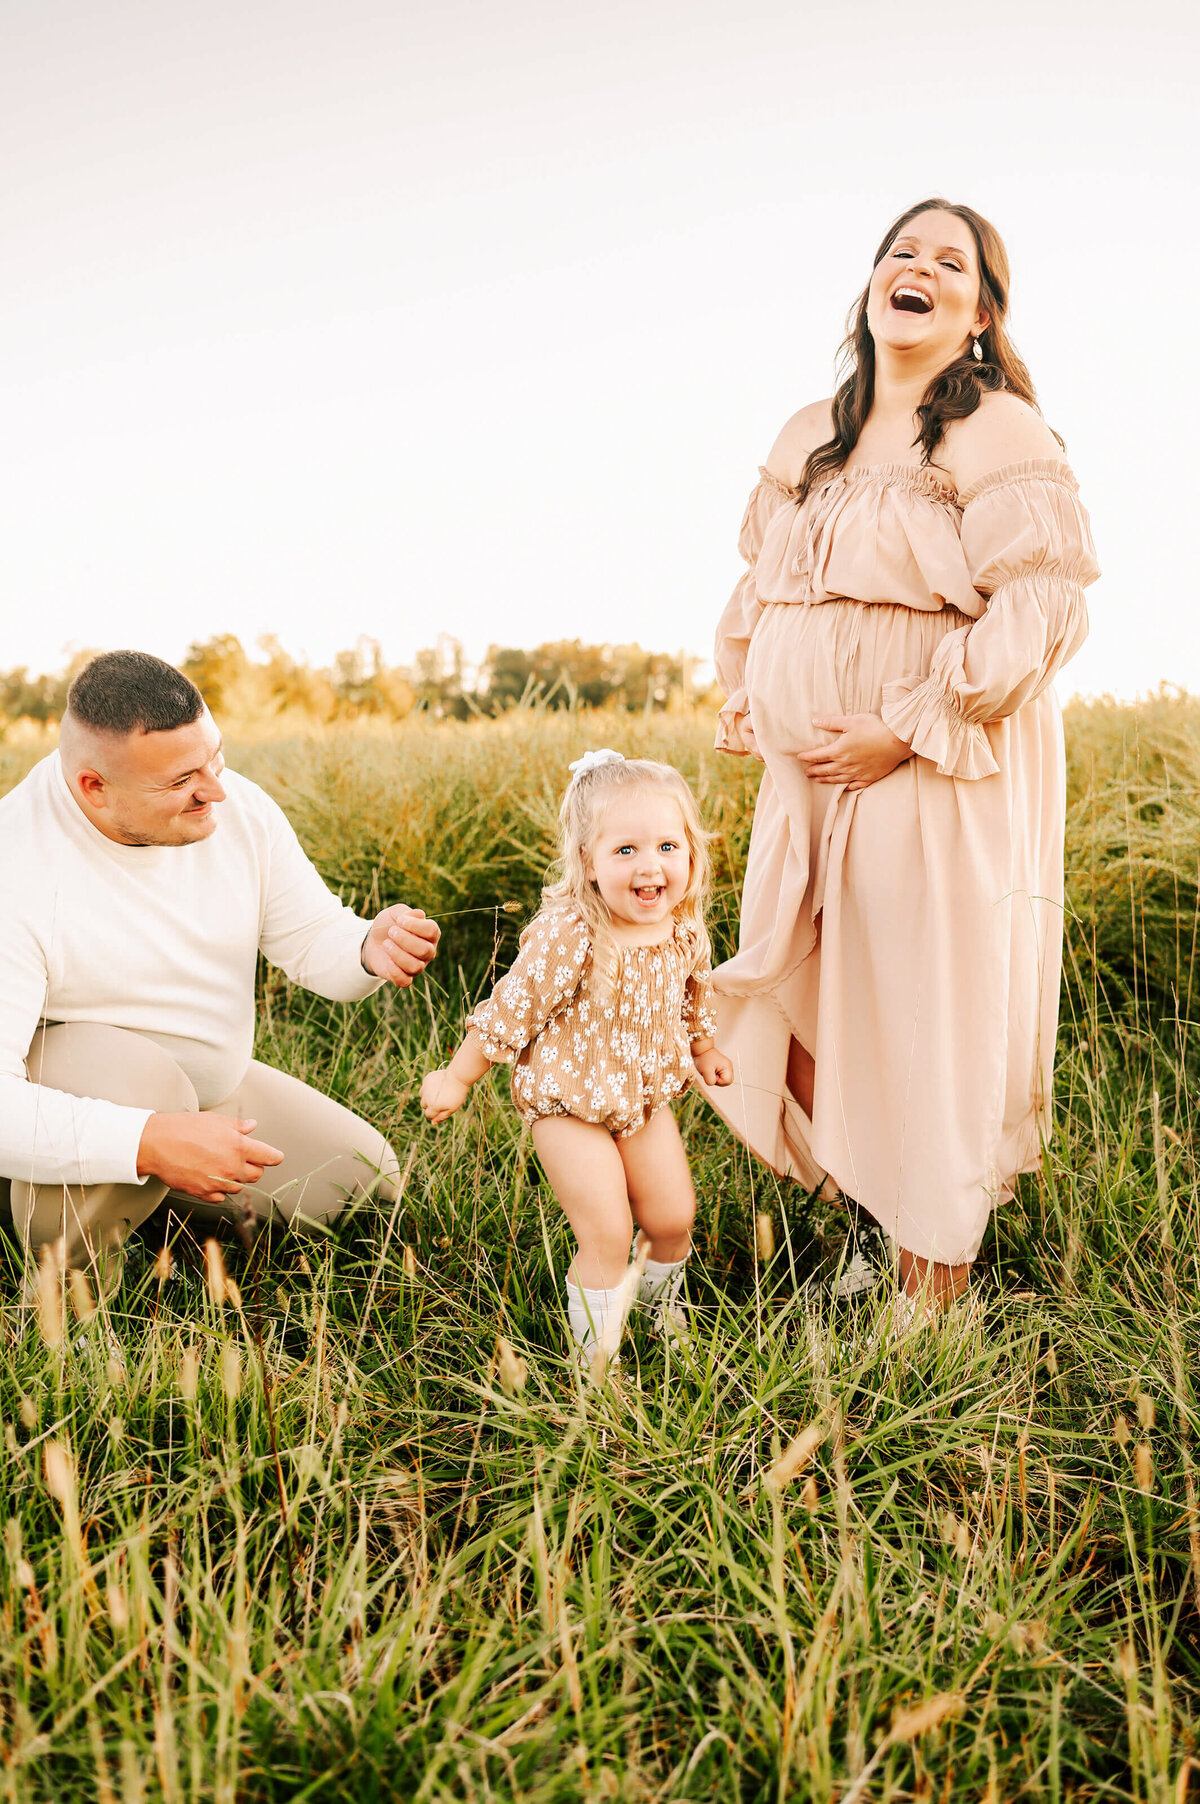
[{"x": 589, "y": 793}]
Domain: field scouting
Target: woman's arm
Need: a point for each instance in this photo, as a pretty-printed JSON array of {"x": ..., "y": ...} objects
[
  {"x": 1028, "y": 546},
  {"x": 735, "y": 629}
]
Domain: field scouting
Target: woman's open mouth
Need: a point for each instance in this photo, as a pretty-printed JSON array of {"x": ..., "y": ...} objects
[{"x": 912, "y": 300}]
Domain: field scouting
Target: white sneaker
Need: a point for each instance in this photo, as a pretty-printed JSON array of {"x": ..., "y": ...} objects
[
  {"x": 856, "y": 1275},
  {"x": 902, "y": 1318}
]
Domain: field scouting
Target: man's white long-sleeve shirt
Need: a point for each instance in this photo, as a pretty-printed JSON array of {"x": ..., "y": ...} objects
[{"x": 158, "y": 939}]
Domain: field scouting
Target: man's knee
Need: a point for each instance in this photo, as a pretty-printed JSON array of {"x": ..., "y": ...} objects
[
  {"x": 331, "y": 1155},
  {"x": 361, "y": 1167},
  {"x": 85, "y": 1058},
  {"x": 380, "y": 1168}
]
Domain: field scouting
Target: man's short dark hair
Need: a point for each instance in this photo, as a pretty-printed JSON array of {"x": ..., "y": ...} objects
[{"x": 131, "y": 692}]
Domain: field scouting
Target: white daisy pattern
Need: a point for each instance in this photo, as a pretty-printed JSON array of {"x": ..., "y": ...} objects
[{"x": 578, "y": 1047}]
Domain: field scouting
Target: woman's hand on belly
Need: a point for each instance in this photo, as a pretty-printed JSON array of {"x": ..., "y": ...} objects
[{"x": 863, "y": 751}]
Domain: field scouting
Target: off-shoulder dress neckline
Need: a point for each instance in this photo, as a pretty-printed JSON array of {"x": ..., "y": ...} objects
[{"x": 923, "y": 480}]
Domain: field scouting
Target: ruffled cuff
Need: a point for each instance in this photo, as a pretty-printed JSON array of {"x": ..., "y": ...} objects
[
  {"x": 495, "y": 1047},
  {"x": 733, "y": 718},
  {"x": 922, "y": 714},
  {"x": 729, "y": 725}
]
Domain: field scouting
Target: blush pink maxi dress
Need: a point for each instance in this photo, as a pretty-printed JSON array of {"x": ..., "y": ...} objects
[{"x": 909, "y": 935}]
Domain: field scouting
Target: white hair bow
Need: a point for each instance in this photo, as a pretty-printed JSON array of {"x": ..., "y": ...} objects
[{"x": 593, "y": 760}]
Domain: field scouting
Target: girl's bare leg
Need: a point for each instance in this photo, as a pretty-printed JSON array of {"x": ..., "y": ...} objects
[
  {"x": 586, "y": 1172},
  {"x": 801, "y": 1073},
  {"x": 942, "y": 1283},
  {"x": 660, "y": 1186}
]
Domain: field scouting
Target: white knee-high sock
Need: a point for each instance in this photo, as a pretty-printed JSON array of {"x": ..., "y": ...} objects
[
  {"x": 588, "y": 1312},
  {"x": 661, "y": 1283}
]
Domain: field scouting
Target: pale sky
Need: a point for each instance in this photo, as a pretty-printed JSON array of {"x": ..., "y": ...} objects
[{"x": 337, "y": 317}]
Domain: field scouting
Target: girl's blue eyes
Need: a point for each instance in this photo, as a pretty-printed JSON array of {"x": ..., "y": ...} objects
[{"x": 668, "y": 845}]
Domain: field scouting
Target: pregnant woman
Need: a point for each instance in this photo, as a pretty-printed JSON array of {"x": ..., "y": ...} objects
[{"x": 917, "y": 558}]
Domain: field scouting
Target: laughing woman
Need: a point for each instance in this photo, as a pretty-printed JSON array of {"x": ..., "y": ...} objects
[{"x": 917, "y": 559}]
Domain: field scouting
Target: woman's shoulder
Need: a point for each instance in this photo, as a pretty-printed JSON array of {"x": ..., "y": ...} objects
[
  {"x": 1003, "y": 430},
  {"x": 810, "y": 427}
]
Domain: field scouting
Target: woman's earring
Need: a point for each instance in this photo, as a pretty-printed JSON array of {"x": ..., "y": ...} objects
[{"x": 977, "y": 350}]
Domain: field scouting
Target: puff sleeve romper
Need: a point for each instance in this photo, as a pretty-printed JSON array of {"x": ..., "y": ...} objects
[
  {"x": 608, "y": 1052},
  {"x": 908, "y": 935}
]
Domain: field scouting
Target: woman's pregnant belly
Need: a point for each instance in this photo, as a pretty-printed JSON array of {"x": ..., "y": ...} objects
[{"x": 833, "y": 657}]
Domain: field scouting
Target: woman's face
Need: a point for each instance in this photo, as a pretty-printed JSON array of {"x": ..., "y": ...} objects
[{"x": 924, "y": 293}]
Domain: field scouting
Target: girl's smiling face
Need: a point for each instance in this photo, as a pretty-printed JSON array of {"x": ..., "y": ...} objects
[
  {"x": 924, "y": 291},
  {"x": 640, "y": 861}
]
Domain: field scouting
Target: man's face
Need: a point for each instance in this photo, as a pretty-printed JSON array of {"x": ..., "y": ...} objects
[{"x": 154, "y": 789}]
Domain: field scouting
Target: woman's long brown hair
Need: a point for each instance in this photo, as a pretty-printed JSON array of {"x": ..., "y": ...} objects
[{"x": 955, "y": 391}]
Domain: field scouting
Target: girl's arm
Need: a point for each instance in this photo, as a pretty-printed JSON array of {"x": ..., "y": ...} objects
[
  {"x": 447, "y": 1089},
  {"x": 547, "y": 970},
  {"x": 700, "y": 1019},
  {"x": 713, "y": 1065}
]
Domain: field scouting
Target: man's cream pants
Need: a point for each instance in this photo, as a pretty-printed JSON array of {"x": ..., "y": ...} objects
[{"x": 329, "y": 1153}]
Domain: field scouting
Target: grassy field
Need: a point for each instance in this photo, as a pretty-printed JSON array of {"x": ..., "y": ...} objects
[{"x": 354, "y": 1531}]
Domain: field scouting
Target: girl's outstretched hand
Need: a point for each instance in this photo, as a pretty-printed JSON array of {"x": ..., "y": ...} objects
[
  {"x": 441, "y": 1094},
  {"x": 714, "y": 1067}
]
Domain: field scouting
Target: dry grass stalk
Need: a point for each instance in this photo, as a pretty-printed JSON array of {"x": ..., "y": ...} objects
[
  {"x": 162, "y": 1265},
  {"x": 82, "y": 1300},
  {"x": 764, "y": 1237},
  {"x": 189, "y": 1374},
  {"x": 908, "y": 1724},
  {"x": 104, "y": 1790},
  {"x": 1143, "y": 1467},
  {"x": 231, "y": 1371},
  {"x": 214, "y": 1272},
  {"x": 410, "y": 1262},
  {"x": 796, "y": 1455},
  {"x": 59, "y": 1469},
  {"x": 1179, "y": 1376},
  {"x": 510, "y": 1368},
  {"x": 50, "y": 1296}
]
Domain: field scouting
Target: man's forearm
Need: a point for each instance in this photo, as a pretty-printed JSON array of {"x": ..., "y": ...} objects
[{"x": 50, "y": 1137}]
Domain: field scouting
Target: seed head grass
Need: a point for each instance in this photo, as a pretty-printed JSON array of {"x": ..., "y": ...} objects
[{"x": 342, "y": 1517}]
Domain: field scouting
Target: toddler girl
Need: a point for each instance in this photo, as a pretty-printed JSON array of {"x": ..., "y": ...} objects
[{"x": 603, "y": 1015}]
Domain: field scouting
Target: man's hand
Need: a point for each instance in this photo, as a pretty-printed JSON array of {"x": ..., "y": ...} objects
[
  {"x": 441, "y": 1094},
  {"x": 864, "y": 751},
  {"x": 400, "y": 943},
  {"x": 206, "y": 1156},
  {"x": 714, "y": 1066}
]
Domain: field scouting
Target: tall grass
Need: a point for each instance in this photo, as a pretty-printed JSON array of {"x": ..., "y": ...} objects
[{"x": 977, "y": 1576}]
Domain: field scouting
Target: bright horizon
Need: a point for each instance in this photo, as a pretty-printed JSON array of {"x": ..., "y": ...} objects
[{"x": 328, "y": 321}]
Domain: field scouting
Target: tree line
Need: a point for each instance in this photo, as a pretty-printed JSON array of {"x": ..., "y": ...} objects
[{"x": 360, "y": 684}]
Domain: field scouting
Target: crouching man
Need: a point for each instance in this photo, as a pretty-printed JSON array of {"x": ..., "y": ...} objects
[{"x": 139, "y": 879}]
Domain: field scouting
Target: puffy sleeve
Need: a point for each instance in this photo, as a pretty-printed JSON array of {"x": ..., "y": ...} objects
[
  {"x": 699, "y": 1000},
  {"x": 1028, "y": 547},
  {"x": 742, "y": 611},
  {"x": 553, "y": 954}
]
